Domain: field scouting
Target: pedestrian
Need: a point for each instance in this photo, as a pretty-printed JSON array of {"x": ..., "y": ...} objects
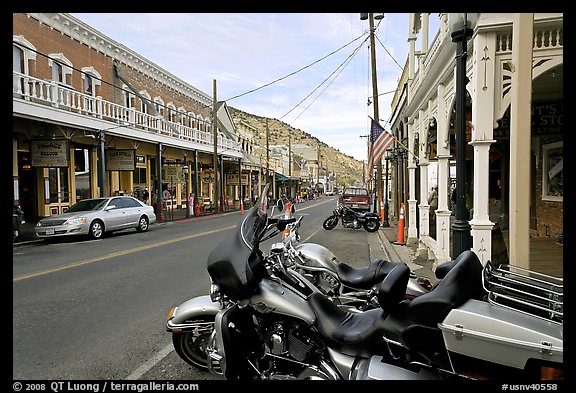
[
  {"x": 433, "y": 203},
  {"x": 145, "y": 195}
]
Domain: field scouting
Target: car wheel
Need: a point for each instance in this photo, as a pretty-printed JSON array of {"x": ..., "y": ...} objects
[
  {"x": 142, "y": 224},
  {"x": 96, "y": 229}
]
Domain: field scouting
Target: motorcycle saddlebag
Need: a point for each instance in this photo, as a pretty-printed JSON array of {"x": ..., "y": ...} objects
[{"x": 500, "y": 335}]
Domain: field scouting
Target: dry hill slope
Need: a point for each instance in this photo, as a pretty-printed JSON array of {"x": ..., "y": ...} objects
[{"x": 348, "y": 170}]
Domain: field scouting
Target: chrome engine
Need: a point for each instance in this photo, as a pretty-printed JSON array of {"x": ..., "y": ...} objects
[{"x": 349, "y": 221}]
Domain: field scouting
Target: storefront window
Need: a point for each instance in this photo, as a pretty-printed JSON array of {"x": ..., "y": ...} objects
[
  {"x": 82, "y": 173},
  {"x": 58, "y": 185},
  {"x": 553, "y": 172}
]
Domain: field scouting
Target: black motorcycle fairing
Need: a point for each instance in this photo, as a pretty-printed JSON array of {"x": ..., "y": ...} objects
[
  {"x": 240, "y": 341},
  {"x": 236, "y": 264}
]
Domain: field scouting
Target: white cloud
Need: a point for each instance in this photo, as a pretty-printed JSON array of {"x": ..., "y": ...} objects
[{"x": 245, "y": 51}]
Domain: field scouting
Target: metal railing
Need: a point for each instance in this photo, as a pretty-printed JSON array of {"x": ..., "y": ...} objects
[
  {"x": 525, "y": 290},
  {"x": 61, "y": 96}
]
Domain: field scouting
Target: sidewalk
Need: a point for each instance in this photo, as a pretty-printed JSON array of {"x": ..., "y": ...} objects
[
  {"x": 546, "y": 254},
  {"x": 417, "y": 261}
]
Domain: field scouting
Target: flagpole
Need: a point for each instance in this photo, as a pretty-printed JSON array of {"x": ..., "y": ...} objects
[{"x": 397, "y": 141}]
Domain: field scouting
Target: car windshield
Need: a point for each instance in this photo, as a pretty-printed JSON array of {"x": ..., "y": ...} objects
[
  {"x": 87, "y": 205},
  {"x": 356, "y": 191}
]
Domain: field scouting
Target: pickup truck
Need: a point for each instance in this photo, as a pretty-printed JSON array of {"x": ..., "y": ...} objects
[{"x": 358, "y": 198}]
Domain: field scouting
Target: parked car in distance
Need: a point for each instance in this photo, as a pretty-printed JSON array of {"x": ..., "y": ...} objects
[
  {"x": 98, "y": 216},
  {"x": 358, "y": 198}
]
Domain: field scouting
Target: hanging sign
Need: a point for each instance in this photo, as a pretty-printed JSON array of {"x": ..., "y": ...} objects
[
  {"x": 120, "y": 159},
  {"x": 49, "y": 153}
]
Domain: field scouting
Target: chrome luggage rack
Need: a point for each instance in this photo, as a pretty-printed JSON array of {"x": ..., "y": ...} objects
[{"x": 525, "y": 290}]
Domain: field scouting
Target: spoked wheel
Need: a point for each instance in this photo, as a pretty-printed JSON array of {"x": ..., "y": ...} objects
[
  {"x": 330, "y": 223},
  {"x": 372, "y": 225},
  {"x": 191, "y": 345}
]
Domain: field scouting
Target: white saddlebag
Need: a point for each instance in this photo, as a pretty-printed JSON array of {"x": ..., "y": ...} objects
[{"x": 501, "y": 335}]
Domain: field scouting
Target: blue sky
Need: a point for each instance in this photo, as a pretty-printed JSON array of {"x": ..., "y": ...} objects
[{"x": 246, "y": 51}]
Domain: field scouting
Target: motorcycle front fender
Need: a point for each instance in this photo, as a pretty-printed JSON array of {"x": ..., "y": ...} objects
[
  {"x": 370, "y": 215},
  {"x": 199, "y": 306}
]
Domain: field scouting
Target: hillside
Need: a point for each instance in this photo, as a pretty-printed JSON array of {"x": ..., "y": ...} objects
[{"x": 348, "y": 170}]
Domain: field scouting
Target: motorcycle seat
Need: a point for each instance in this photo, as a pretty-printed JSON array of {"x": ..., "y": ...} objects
[
  {"x": 365, "y": 277},
  {"x": 353, "y": 332},
  {"x": 461, "y": 283}
]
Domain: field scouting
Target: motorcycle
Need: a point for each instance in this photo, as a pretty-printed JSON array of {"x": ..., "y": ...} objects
[
  {"x": 352, "y": 219},
  {"x": 338, "y": 280},
  {"x": 478, "y": 322},
  {"x": 192, "y": 322}
]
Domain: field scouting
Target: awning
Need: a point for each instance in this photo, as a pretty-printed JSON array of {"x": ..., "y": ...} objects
[{"x": 281, "y": 177}]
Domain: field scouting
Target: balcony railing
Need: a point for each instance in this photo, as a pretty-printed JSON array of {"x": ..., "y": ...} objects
[{"x": 60, "y": 96}]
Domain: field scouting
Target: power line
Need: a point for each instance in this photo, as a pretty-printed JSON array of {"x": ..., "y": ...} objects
[
  {"x": 295, "y": 72},
  {"x": 389, "y": 53},
  {"x": 338, "y": 70}
]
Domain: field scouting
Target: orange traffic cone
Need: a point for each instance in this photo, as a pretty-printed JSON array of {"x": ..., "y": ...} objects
[
  {"x": 401, "y": 227},
  {"x": 381, "y": 212},
  {"x": 241, "y": 207},
  {"x": 288, "y": 210},
  {"x": 287, "y": 215}
]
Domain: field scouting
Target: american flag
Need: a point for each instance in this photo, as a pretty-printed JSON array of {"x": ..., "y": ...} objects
[{"x": 380, "y": 140}]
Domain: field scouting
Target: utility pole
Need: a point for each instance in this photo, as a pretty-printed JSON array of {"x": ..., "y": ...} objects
[
  {"x": 318, "y": 171},
  {"x": 290, "y": 153},
  {"x": 267, "y": 153},
  {"x": 363, "y": 164},
  {"x": 378, "y": 179},
  {"x": 215, "y": 156}
]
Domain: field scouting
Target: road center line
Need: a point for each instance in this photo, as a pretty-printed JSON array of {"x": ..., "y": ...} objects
[{"x": 116, "y": 254}]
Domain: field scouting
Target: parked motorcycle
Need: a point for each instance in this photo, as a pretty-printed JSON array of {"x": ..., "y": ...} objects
[
  {"x": 338, "y": 280},
  {"x": 478, "y": 322},
  {"x": 351, "y": 218},
  {"x": 192, "y": 322}
]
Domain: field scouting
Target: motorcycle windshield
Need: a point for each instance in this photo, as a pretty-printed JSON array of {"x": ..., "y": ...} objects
[
  {"x": 236, "y": 263},
  {"x": 253, "y": 226}
]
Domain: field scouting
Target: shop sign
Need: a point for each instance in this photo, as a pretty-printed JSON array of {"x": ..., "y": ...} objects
[
  {"x": 120, "y": 159},
  {"x": 232, "y": 179},
  {"x": 49, "y": 153},
  {"x": 547, "y": 119}
]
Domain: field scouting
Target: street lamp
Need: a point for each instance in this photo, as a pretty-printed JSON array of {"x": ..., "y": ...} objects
[
  {"x": 387, "y": 157},
  {"x": 185, "y": 170},
  {"x": 461, "y": 28}
]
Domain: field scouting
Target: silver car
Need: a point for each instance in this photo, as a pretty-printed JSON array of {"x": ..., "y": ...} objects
[{"x": 97, "y": 216}]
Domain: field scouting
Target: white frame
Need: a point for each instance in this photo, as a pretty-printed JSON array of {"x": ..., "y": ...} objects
[{"x": 546, "y": 168}]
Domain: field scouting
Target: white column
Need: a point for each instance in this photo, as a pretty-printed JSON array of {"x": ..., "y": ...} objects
[
  {"x": 482, "y": 86},
  {"x": 520, "y": 130},
  {"x": 412, "y": 153},
  {"x": 423, "y": 166},
  {"x": 443, "y": 229},
  {"x": 412, "y": 47}
]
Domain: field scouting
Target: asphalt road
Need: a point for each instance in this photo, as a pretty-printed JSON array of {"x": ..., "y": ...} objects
[{"x": 96, "y": 309}]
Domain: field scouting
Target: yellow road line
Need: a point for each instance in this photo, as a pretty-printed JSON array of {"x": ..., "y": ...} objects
[{"x": 116, "y": 254}]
